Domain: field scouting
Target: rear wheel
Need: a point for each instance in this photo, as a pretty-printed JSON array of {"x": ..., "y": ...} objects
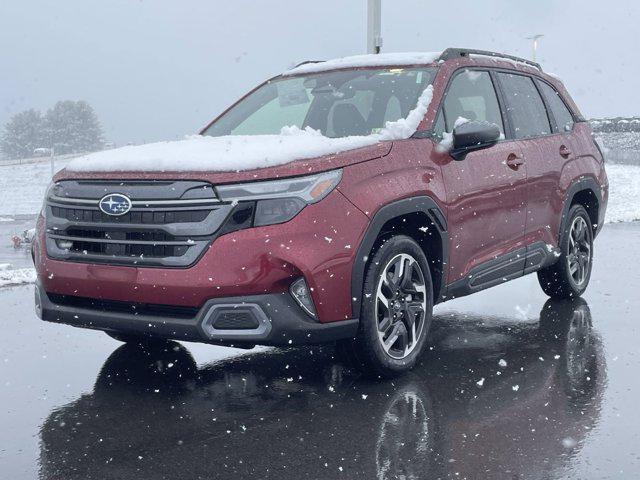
[
  {"x": 569, "y": 276},
  {"x": 396, "y": 309}
]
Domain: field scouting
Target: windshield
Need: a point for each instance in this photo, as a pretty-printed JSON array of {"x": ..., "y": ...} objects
[{"x": 338, "y": 104}]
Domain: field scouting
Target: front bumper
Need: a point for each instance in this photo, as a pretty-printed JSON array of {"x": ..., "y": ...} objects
[
  {"x": 277, "y": 320},
  {"x": 316, "y": 244}
]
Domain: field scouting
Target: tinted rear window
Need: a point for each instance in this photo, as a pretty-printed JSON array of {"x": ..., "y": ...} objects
[
  {"x": 524, "y": 106},
  {"x": 560, "y": 112}
]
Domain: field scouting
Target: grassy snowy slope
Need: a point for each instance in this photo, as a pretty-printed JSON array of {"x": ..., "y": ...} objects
[
  {"x": 22, "y": 187},
  {"x": 624, "y": 193}
]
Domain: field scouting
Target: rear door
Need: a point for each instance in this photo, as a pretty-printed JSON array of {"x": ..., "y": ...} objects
[
  {"x": 486, "y": 192},
  {"x": 558, "y": 149},
  {"x": 530, "y": 125}
]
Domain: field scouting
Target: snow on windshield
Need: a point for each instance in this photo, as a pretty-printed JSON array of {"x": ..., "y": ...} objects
[{"x": 244, "y": 152}]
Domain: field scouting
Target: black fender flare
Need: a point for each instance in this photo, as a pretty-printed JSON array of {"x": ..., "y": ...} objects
[
  {"x": 579, "y": 185},
  {"x": 388, "y": 212}
]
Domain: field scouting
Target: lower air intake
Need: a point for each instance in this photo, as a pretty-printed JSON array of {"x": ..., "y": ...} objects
[{"x": 235, "y": 320}]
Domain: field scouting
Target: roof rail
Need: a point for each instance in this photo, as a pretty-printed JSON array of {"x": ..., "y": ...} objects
[
  {"x": 308, "y": 61},
  {"x": 451, "y": 53}
]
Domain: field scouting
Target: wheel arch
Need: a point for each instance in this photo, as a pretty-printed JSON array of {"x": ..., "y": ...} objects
[
  {"x": 405, "y": 217},
  {"x": 586, "y": 192}
]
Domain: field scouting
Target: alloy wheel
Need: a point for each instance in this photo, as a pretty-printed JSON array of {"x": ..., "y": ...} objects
[
  {"x": 579, "y": 255},
  {"x": 401, "y": 305}
]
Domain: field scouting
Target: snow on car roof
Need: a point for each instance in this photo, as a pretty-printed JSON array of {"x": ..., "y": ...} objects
[{"x": 356, "y": 61}]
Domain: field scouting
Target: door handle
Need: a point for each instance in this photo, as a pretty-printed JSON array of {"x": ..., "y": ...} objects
[
  {"x": 514, "y": 161},
  {"x": 564, "y": 151}
]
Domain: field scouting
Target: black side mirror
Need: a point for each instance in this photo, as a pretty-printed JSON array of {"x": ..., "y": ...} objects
[{"x": 473, "y": 135}]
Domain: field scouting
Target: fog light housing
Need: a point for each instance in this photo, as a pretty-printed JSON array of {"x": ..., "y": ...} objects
[
  {"x": 302, "y": 295},
  {"x": 64, "y": 244}
]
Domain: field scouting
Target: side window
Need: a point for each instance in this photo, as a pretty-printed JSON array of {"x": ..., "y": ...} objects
[
  {"x": 561, "y": 114},
  {"x": 524, "y": 106},
  {"x": 471, "y": 95}
]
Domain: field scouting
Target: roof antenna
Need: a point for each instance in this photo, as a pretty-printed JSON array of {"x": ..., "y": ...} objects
[{"x": 374, "y": 26}]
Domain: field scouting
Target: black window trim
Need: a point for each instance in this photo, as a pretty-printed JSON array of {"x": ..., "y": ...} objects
[{"x": 506, "y": 120}]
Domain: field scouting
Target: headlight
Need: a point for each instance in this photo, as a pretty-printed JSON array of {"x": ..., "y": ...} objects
[
  {"x": 43, "y": 209},
  {"x": 278, "y": 201}
]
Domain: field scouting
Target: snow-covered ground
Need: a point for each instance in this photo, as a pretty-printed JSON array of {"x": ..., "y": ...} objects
[
  {"x": 22, "y": 187},
  {"x": 624, "y": 193},
  {"x": 10, "y": 276}
]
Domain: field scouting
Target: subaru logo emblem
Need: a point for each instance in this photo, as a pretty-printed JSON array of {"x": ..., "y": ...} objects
[{"x": 115, "y": 204}]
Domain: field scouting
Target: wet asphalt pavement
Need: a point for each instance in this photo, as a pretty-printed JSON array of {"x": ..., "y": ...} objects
[{"x": 514, "y": 386}]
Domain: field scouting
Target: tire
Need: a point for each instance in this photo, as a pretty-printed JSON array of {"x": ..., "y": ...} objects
[
  {"x": 411, "y": 302},
  {"x": 569, "y": 276}
]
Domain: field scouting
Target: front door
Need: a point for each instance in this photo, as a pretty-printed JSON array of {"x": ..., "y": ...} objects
[{"x": 486, "y": 192}]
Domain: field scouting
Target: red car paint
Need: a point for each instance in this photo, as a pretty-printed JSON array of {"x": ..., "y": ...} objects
[{"x": 490, "y": 209}]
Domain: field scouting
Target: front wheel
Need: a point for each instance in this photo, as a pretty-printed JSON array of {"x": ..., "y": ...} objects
[
  {"x": 569, "y": 276},
  {"x": 396, "y": 309}
]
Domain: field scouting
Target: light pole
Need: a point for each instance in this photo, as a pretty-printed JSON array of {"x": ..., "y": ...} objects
[
  {"x": 374, "y": 26},
  {"x": 535, "y": 39}
]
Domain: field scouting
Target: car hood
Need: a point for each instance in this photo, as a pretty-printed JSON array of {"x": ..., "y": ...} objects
[{"x": 227, "y": 159}]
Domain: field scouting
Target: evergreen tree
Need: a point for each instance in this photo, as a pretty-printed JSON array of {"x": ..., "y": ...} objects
[
  {"x": 68, "y": 127},
  {"x": 23, "y": 133},
  {"x": 73, "y": 127}
]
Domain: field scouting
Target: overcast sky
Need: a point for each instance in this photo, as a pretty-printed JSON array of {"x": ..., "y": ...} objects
[{"x": 159, "y": 69}]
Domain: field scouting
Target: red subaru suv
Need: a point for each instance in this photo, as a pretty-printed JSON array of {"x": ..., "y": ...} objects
[{"x": 337, "y": 202}]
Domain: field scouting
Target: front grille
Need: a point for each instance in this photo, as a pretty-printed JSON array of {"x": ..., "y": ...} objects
[
  {"x": 143, "y": 218},
  {"x": 170, "y": 223},
  {"x": 126, "y": 243},
  {"x": 147, "y": 309}
]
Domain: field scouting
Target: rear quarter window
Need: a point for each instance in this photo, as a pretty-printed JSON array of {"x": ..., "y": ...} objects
[{"x": 561, "y": 114}]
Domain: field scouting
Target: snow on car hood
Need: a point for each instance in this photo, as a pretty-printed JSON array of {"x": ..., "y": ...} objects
[{"x": 243, "y": 152}]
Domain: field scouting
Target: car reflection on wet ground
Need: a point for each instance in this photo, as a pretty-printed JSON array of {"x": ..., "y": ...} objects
[
  {"x": 511, "y": 387},
  {"x": 502, "y": 399}
]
